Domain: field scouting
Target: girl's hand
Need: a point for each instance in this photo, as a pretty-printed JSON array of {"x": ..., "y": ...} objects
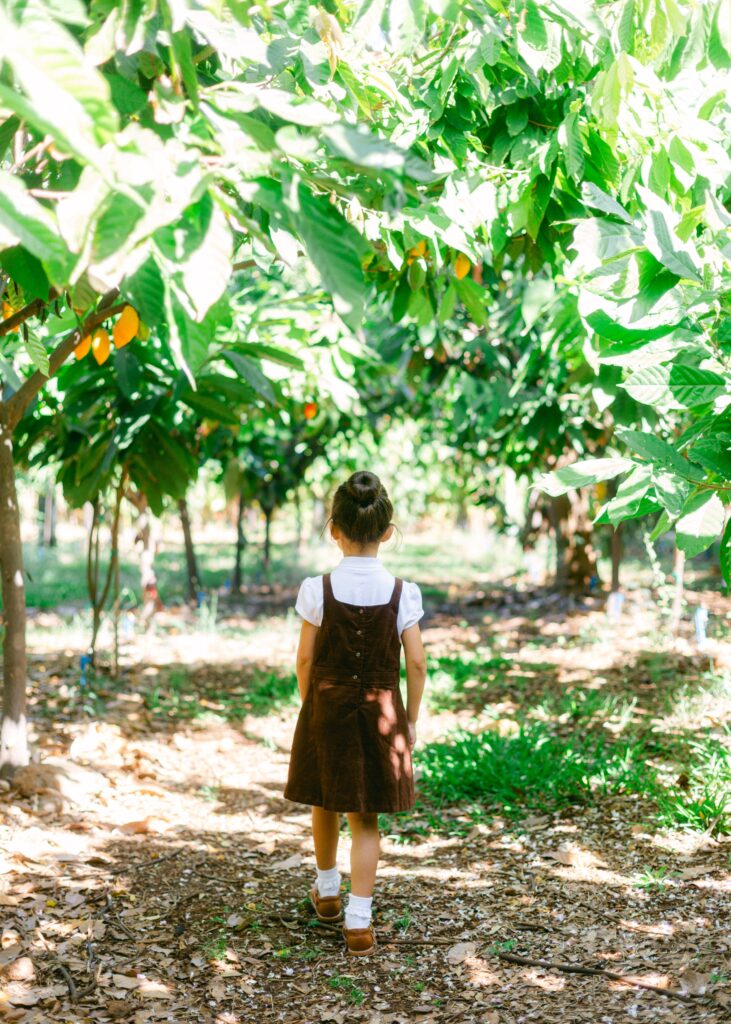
[{"x": 412, "y": 734}]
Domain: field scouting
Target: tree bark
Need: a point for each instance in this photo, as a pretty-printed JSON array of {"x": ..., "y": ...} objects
[
  {"x": 616, "y": 555},
  {"x": 99, "y": 600},
  {"x": 240, "y": 545},
  {"x": 194, "y": 584},
  {"x": 298, "y": 517},
  {"x": 268, "y": 513},
  {"x": 576, "y": 562},
  {"x": 13, "y": 732},
  {"x": 676, "y": 612}
]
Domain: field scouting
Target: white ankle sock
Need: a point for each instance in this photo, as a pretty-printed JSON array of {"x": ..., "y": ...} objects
[
  {"x": 328, "y": 882},
  {"x": 358, "y": 911}
]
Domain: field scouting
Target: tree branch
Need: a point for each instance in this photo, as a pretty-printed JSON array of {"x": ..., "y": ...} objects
[
  {"x": 19, "y": 402},
  {"x": 32, "y": 309}
]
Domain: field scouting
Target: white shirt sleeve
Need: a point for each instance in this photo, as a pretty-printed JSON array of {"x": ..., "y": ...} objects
[
  {"x": 410, "y": 608},
  {"x": 310, "y": 600}
]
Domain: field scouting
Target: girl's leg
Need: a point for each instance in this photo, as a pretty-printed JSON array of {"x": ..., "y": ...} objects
[
  {"x": 364, "y": 853},
  {"x": 325, "y": 832}
]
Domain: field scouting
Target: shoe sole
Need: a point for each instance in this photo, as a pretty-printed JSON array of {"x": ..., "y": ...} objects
[
  {"x": 321, "y": 917},
  {"x": 361, "y": 952}
]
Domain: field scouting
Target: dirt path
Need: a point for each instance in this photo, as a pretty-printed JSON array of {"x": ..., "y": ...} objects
[{"x": 153, "y": 872}]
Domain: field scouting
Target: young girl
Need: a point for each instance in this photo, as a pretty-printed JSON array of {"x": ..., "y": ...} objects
[{"x": 352, "y": 745}]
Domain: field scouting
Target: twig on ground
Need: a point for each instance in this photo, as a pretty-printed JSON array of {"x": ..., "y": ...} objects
[
  {"x": 552, "y": 965},
  {"x": 73, "y": 993}
]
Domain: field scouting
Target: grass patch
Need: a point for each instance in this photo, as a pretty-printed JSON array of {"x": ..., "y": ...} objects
[
  {"x": 185, "y": 697},
  {"x": 455, "y": 681},
  {"x": 531, "y": 770}
]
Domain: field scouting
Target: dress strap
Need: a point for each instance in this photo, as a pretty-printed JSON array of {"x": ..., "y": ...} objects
[
  {"x": 396, "y": 595},
  {"x": 327, "y": 589}
]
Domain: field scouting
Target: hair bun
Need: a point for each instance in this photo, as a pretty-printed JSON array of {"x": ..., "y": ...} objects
[{"x": 364, "y": 488}]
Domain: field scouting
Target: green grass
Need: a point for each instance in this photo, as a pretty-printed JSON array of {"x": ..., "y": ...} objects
[
  {"x": 180, "y": 696},
  {"x": 533, "y": 770},
  {"x": 345, "y": 985}
]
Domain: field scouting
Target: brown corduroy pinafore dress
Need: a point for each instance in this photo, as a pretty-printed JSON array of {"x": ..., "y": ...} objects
[{"x": 350, "y": 750}]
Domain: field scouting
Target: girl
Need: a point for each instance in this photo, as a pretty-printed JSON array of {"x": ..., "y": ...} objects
[{"x": 352, "y": 745}]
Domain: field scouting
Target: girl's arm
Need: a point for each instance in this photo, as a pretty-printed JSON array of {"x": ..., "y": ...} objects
[
  {"x": 415, "y": 675},
  {"x": 305, "y": 654}
]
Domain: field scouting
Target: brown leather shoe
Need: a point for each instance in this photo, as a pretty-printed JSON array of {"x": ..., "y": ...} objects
[
  {"x": 327, "y": 908},
  {"x": 360, "y": 941}
]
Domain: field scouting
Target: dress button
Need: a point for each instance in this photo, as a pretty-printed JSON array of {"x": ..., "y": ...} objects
[
  {"x": 359, "y": 631},
  {"x": 361, "y": 611},
  {"x": 357, "y": 654},
  {"x": 355, "y": 676}
]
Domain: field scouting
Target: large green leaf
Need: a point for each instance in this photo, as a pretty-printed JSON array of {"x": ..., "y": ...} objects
[
  {"x": 365, "y": 149},
  {"x": 333, "y": 246},
  {"x": 580, "y": 474},
  {"x": 701, "y": 523},
  {"x": 251, "y": 372},
  {"x": 35, "y": 227},
  {"x": 715, "y": 454},
  {"x": 660, "y": 454},
  {"x": 661, "y": 239},
  {"x": 675, "y": 385}
]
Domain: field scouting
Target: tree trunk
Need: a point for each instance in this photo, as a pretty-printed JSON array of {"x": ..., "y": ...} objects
[
  {"x": 240, "y": 545},
  {"x": 13, "y": 732},
  {"x": 616, "y": 555},
  {"x": 194, "y": 584},
  {"x": 676, "y": 611},
  {"x": 268, "y": 513},
  {"x": 99, "y": 599},
  {"x": 145, "y": 541},
  {"x": 576, "y": 563},
  {"x": 298, "y": 517},
  {"x": 47, "y": 518}
]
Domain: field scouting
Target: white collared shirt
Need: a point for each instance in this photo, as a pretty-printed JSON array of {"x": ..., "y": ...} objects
[{"x": 358, "y": 579}]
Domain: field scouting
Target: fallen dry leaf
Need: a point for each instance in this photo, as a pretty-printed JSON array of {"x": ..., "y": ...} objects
[
  {"x": 21, "y": 969},
  {"x": 145, "y": 826},
  {"x": 460, "y": 951},
  {"x": 294, "y": 861},
  {"x": 693, "y": 982}
]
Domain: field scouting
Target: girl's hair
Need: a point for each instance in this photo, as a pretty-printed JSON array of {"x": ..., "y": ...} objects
[{"x": 362, "y": 508}]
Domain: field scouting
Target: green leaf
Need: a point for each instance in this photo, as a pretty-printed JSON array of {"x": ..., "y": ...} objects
[
  {"x": 406, "y": 24},
  {"x": 35, "y": 227},
  {"x": 251, "y": 373},
  {"x": 632, "y": 500},
  {"x": 680, "y": 386},
  {"x": 661, "y": 240},
  {"x": 37, "y": 352},
  {"x": 671, "y": 491},
  {"x": 271, "y": 352},
  {"x": 719, "y": 43},
  {"x": 57, "y": 89},
  {"x": 534, "y": 32},
  {"x": 7, "y": 131},
  {"x": 206, "y": 266},
  {"x": 660, "y": 454},
  {"x": 364, "y": 149},
  {"x": 26, "y": 271},
  {"x": 184, "y": 59},
  {"x": 474, "y": 298},
  {"x": 715, "y": 454},
  {"x": 594, "y": 197},
  {"x": 574, "y": 149},
  {"x": 580, "y": 474},
  {"x": 334, "y": 251},
  {"x": 701, "y": 523},
  {"x": 144, "y": 289}
]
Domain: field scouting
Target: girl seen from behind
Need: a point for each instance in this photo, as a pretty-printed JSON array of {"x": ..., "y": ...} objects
[{"x": 351, "y": 751}]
